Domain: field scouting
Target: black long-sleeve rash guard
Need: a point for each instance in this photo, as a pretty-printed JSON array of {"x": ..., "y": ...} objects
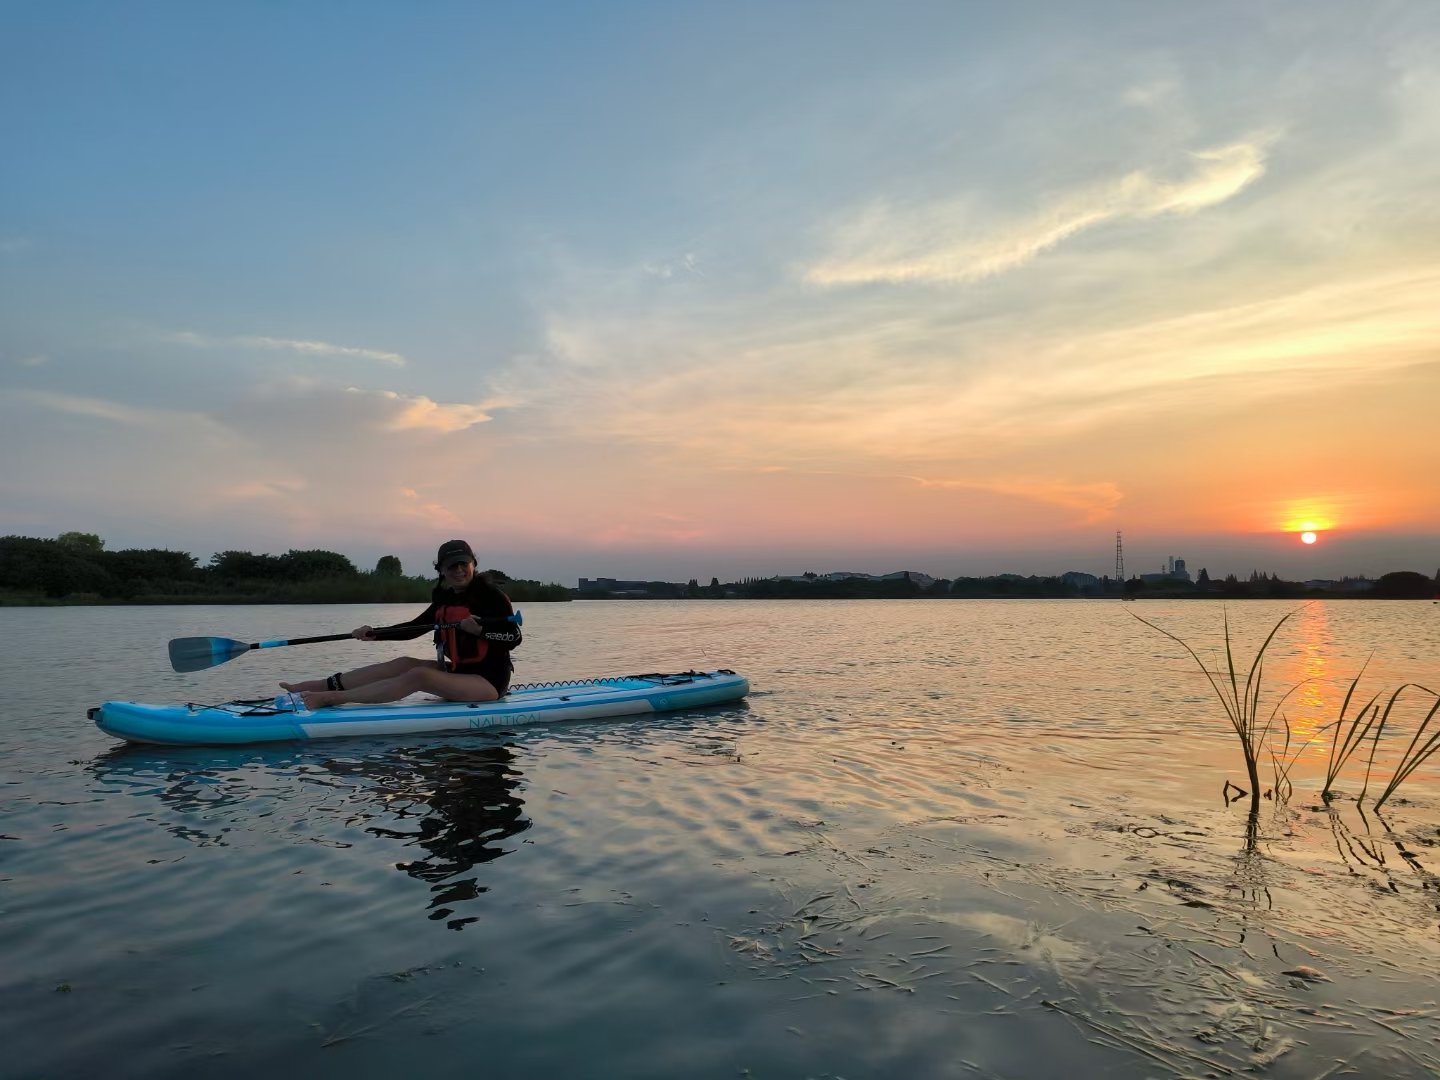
[{"x": 490, "y": 607}]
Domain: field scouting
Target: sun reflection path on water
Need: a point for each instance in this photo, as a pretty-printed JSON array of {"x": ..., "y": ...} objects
[{"x": 1310, "y": 670}]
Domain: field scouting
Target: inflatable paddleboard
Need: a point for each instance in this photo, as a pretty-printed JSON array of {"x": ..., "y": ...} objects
[{"x": 277, "y": 719}]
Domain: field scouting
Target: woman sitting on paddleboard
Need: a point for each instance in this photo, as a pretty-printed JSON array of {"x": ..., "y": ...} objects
[{"x": 474, "y": 656}]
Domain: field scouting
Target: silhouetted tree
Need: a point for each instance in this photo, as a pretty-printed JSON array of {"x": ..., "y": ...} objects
[
  {"x": 138, "y": 572},
  {"x": 234, "y": 566},
  {"x": 1276, "y": 587},
  {"x": 81, "y": 542},
  {"x": 307, "y": 565},
  {"x": 1404, "y": 585},
  {"x": 389, "y": 566}
]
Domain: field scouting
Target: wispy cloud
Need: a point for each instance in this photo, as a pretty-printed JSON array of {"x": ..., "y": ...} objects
[
  {"x": 688, "y": 263},
  {"x": 305, "y": 348},
  {"x": 420, "y": 413},
  {"x": 1094, "y": 501},
  {"x": 413, "y": 506},
  {"x": 907, "y": 389},
  {"x": 1155, "y": 93},
  {"x": 1298, "y": 341},
  {"x": 1328, "y": 333},
  {"x": 33, "y": 360},
  {"x": 248, "y": 490},
  {"x": 114, "y": 411},
  {"x": 934, "y": 243}
]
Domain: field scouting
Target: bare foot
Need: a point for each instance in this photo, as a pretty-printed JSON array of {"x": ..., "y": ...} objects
[
  {"x": 302, "y": 687},
  {"x": 319, "y": 699}
]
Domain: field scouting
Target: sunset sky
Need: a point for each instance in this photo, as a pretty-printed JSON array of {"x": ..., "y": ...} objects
[{"x": 699, "y": 289}]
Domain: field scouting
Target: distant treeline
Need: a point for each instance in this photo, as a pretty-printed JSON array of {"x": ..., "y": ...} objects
[
  {"x": 1400, "y": 585},
  {"x": 840, "y": 589},
  {"x": 763, "y": 589},
  {"x": 1403, "y": 584},
  {"x": 75, "y": 568}
]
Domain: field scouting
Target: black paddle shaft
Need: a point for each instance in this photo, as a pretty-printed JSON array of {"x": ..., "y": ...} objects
[
  {"x": 198, "y": 653},
  {"x": 383, "y": 633}
]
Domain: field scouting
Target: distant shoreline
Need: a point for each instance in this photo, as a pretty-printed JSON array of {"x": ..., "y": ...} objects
[
  {"x": 231, "y": 601},
  {"x": 75, "y": 570},
  {"x": 211, "y": 601}
]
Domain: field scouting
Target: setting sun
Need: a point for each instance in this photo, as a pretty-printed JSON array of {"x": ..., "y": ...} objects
[{"x": 1308, "y": 538}]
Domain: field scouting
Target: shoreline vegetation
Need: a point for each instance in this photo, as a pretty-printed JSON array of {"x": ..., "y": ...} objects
[{"x": 75, "y": 569}]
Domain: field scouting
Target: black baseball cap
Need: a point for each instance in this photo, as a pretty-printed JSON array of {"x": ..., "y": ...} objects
[{"x": 453, "y": 551}]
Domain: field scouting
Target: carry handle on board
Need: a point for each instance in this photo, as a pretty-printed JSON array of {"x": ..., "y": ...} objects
[{"x": 199, "y": 653}]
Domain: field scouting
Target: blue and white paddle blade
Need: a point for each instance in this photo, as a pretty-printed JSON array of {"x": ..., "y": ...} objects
[{"x": 199, "y": 653}]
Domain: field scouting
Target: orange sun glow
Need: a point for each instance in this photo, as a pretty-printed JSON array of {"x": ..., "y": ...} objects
[{"x": 1308, "y": 538}]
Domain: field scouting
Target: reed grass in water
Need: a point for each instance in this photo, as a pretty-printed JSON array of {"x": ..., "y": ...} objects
[
  {"x": 1241, "y": 703},
  {"x": 1417, "y": 752},
  {"x": 1360, "y": 726},
  {"x": 1370, "y": 723},
  {"x": 1242, "y": 708},
  {"x": 1281, "y": 763}
]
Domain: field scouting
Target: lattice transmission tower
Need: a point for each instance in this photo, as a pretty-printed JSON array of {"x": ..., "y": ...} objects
[{"x": 1119, "y": 559}]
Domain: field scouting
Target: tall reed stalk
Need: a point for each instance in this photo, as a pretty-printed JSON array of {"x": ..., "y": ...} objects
[
  {"x": 1416, "y": 753},
  {"x": 1340, "y": 750},
  {"x": 1281, "y": 764},
  {"x": 1241, "y": 703}
]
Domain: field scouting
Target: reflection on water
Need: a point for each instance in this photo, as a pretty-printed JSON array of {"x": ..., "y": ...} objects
[
  {"x": 1310, "y": 670},
  {"x": 1250, "y": 883},
  {"x": 191, "y": 793},
  {"x": 1366, "y": 852},
  {"x": 456, "y": 804}
]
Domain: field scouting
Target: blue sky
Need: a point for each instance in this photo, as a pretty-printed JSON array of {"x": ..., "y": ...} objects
[{"x": 700, "y": 289}]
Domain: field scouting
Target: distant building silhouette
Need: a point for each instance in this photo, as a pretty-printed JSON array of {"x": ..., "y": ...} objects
[
  {"x": 620, "y": 587},
  {"x": 1174, "y": 571},
  {"x": 922, "y": 579}
]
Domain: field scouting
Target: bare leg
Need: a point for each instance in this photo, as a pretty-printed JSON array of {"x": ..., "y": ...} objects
[
  {"x": 363, "y": 676},
  {"x": 424, "y": 676}
]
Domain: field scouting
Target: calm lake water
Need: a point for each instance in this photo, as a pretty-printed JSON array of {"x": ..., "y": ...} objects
[{"x": 940, "y": 839}]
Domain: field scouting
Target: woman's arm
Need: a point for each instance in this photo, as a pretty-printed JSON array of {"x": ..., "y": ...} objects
[{"x": 419, "y": 626}]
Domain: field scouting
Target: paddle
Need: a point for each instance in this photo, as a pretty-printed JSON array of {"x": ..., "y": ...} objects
[{"x": 199, "y": 653}]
